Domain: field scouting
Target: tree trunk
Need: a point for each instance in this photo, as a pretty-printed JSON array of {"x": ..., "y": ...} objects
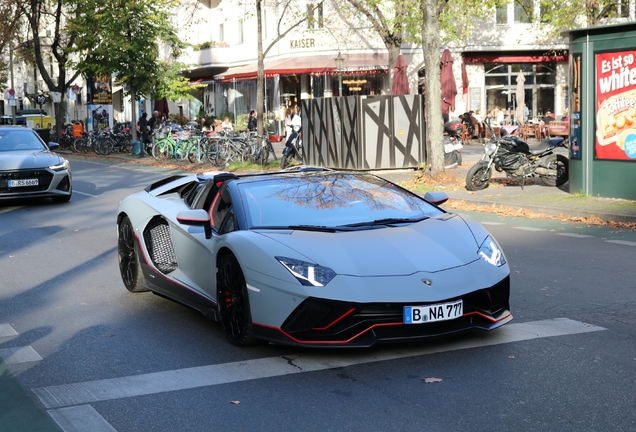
[
  {"x": 433, "y": 84},
  {"x": 394, "y": 52},
  {"x": 260, "y": 76},
  {"x": 133, "y": 102}
]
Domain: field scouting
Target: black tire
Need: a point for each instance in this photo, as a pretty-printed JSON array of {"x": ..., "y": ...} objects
[
  {"x": 285, "y": 160},
  {"x": 233, "y": 302},
  {"x": 452, "y": 159},
  {"x": 129, "y": 265},
  {"x": 477, "y": 178},
  {"x": 264, "y": 156},
  {"x": 561, "y": 164}
]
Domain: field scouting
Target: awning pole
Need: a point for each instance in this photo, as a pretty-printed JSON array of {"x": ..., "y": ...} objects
[{"x": 234, "y": 103}]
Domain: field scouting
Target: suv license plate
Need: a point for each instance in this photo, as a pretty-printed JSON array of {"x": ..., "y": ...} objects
[
  {"x": 432, "y": 313},
  {"x": 19, "y": 183}
]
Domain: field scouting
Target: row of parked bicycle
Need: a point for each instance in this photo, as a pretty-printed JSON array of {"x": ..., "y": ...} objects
[{"x": 192, "y": 145}]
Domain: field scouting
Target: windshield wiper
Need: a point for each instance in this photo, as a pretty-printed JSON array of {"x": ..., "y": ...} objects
[
  {"x": 387, "y": 221},
  {"x": 318, "y": 228}
]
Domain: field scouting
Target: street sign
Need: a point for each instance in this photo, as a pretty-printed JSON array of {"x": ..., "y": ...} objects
[
  {"x": 41, "y": 99},
  {"x": 75, "y": 89},
  {"x": 11, "y": 92}
]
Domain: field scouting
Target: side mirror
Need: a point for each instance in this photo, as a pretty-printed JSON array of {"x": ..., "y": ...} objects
[
  {"x": 436, "y": 198},
  {"x": 196, "y": 218},
  {"x": 53, "y": 145}
]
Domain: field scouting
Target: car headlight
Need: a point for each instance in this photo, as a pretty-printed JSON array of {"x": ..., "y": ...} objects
[
  {"x": 491, "y": 252},
  {"x": 308, "y": 274},
  {"x": 60, "y": 167},
  {"x": 490, "y": 148}
]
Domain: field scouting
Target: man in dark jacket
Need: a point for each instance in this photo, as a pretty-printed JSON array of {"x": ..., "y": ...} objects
[
  {"x": 143, "y": 133},
  {"x": 251, "y": 122}
]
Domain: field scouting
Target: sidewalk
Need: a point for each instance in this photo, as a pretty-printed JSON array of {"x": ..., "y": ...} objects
[{"x": 534, "y": 196}]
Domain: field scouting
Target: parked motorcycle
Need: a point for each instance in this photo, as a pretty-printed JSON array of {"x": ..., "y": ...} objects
[
  {"x": 292, "y": 152},
  {"x": 513, "y": 156},
  {"x": 453, "y": 144}
]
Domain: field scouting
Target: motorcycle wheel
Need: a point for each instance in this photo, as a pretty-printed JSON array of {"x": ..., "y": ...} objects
[
  {"x": 285, "y": 161},
  {"x": 452, "y": 159},
  {"x": 477, "y": 177},
  {"x": 561, "y": 164}
]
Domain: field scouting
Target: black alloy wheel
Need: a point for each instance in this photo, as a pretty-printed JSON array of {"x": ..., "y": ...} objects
[
  {"x": 233, "y": 302},
  {"x": 560, "y": 164},
  {"x": 477, "y": 177},
  {"x": 129, "y": 266}
]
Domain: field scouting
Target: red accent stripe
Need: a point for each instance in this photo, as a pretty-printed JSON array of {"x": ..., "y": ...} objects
[
  {"x": 336, "y": 320},
  {"x": 327, "y": 342},
  {"x": 487, "y": 317}
]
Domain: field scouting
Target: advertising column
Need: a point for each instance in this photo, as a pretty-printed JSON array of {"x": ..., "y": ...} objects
[
  {"x": 616, "y": 105},
  {"x": 100, "y": 102}
]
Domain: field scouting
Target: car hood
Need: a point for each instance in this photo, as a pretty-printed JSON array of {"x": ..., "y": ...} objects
[
  {"x": 432, "y": 245},
  {"x": 14, "y": 160}
]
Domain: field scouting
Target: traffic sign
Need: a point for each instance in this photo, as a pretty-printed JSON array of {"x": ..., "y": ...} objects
[
  {"x": 41, "y": 99},
  {"x": 75, "y": 88},
  {"x": 11, "y": 92}
]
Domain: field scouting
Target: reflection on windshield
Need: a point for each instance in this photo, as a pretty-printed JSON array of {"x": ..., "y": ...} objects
[
  {"x": 19, "y": 139},
  {"x": 333, "y": 199}
]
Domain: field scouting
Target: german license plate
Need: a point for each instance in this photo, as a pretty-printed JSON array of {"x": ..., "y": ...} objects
[
  {"x": 433, "y": 313},
  {"x": 20, "y": 183}
]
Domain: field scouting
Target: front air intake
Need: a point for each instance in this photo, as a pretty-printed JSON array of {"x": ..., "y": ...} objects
[{"x": 159, "y": 245}]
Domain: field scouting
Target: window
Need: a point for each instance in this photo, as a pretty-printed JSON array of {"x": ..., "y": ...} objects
[
  {"x": 502, "y": 15},
  {"x": 240, "y": 30},
  {"x": 315, "y": 18},
  {"x": 524, "y": 11}
]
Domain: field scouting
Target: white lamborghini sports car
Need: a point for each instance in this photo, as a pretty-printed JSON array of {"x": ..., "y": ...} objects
[{"x": 313, "y": 257}]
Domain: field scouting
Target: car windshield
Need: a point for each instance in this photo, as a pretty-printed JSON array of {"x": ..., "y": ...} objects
[
  {"x": 19, "y": 139},
  {"x": 330, "y": 200}
]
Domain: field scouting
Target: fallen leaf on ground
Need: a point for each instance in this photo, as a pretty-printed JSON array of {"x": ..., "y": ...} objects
[
  {"x": 235, "y": 402},
  {"x": 511, "y": 357}
]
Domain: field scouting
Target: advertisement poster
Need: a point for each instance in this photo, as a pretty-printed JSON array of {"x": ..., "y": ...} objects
[
  {"x": 616, "y": 105},
  {"x": 100, "y": 101}
]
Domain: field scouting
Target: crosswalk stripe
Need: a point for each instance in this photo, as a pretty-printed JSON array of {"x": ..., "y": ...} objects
[
  {"x": 19, "y": 355},
  {"x": 80, "y": 419},
  {"x": 6, "y": 330},
  {"x": 529, "y": 228},
  {"x": 622, "y": 242},
  {"x": 203, "y": 376},
  {"x": 576, "y": 235}
]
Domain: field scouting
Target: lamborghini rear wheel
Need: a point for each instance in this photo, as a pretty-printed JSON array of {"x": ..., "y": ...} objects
[
  {"x": 129, "y": 266},
  {"x": 233, "y": 302}
]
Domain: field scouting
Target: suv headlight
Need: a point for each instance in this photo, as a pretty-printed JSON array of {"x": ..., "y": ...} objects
[
  {"x": 491, "y": 252},
  {"x": 308, "y": 274}
]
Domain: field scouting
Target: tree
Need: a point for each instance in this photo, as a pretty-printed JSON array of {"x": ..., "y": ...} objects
[
  {"x": 9, "y": 14},
  {"x": 125, "y": 38},
  {"x": 41, "y": 16},
  {"x": 296, "y": 18},
  {"x": 555, "y": 17}
]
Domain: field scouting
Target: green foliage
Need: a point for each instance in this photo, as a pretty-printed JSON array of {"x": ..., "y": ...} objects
[{"x": 124, "y": 37}]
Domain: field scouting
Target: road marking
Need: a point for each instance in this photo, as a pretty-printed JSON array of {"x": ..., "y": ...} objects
[
  {"x": 576, "y": 235},
  {"x": 152, "y": 383},
  {"x": 6, "y": 330},
  {"x": 493, "y": 223},
  {"x": 80, "y": 419},
  {"x": 621, "y": 242},
  {"x": 530, "y": 229},
  {"x": 84, "y": 193},
  {"x": 19, "y": 355}
]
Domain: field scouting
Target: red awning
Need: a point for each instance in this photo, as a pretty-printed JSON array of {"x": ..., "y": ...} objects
[{"x": 314, "y": 65}]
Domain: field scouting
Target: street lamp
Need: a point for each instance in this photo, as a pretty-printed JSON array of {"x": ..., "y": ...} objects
[{"x": 339, "y": 65}]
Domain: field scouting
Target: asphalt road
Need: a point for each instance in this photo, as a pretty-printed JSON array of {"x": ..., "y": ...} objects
[{"x": 95, "y": 357}]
